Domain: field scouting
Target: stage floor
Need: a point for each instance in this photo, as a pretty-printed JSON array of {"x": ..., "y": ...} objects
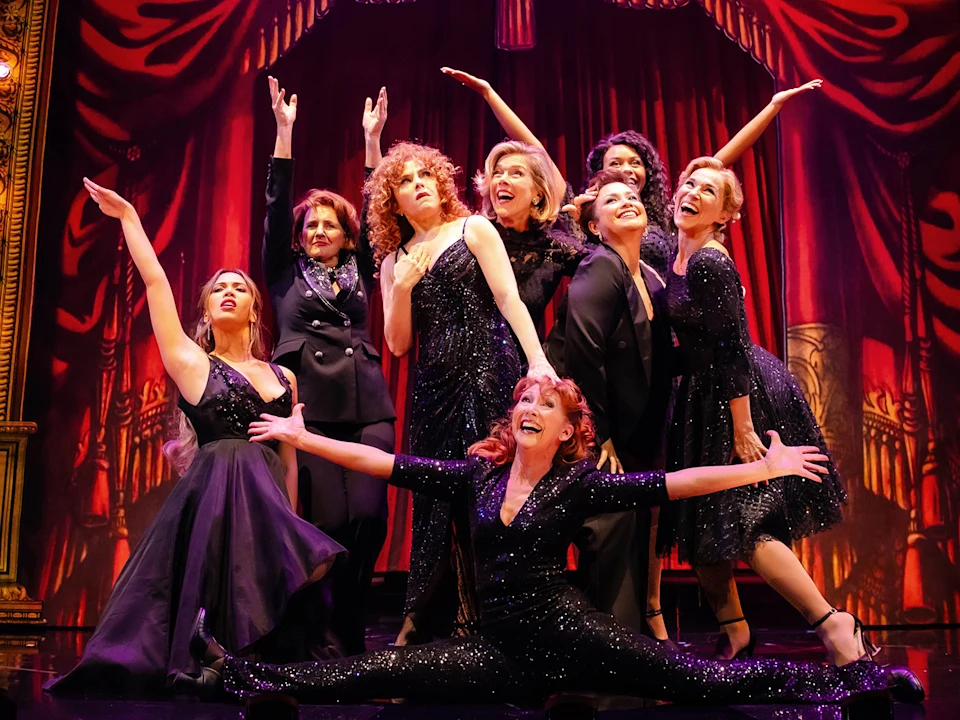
[{"x": 932, "y": 654}]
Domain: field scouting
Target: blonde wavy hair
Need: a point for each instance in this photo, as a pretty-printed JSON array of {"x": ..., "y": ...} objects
[
  {"x": 180, "y": 452},
  {"x": 730, "y": 189},
  {"x": 388, "y": 229},
  {"x": 551, "y": 191}
]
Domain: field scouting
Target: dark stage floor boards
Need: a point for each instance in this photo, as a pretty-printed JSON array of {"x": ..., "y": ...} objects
[{"x": 932, "y": 654}]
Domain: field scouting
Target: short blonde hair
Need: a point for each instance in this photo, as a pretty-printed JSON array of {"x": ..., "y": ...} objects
[
  {"x": 732, "y": 192},
  {"x": 541, "y": 168}
]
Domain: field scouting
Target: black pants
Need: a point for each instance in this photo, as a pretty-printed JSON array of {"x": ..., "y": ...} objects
[
  {"x": 612, "y": 561},
  {"x": 350, "y": 507}
]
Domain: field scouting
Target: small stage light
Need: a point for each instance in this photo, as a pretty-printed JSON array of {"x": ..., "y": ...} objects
[{"x": 4, "y": 70}]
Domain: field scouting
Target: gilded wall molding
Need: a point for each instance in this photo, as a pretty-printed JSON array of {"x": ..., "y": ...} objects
[
  {"x": 25, "y": 46},
  {"x": 26, "y": 52}
]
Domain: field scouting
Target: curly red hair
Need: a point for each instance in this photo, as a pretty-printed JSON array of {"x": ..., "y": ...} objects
[
  {"x": 388, "y": 229},
  {"x": 500, "y": 447}
]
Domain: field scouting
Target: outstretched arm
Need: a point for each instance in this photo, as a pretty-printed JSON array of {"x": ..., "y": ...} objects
[
  {"x": 511, "y": 123},
  {"x": 182, "y": 357},
  {"x": 276, "y": 254},
  {"x": 286, "y": 115},
  {"x": 613, "y": 493},
  {"x": 436, "y": 478},
  {"x": 485, "y": 243},
  {"x": 751, "y": 132}
]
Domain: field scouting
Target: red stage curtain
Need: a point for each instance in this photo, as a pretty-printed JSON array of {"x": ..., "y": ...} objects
[{"x": 574, "y": 87}]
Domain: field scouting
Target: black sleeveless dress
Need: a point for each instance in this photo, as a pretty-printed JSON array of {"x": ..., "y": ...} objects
[
  {"x": 467, "y": 367},
  {"x": 225, "y": 539}
]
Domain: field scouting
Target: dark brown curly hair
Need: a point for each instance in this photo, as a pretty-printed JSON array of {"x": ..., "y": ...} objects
[
  {"x": 388, "y": 229},
  {"x": 500, "y": 447}
]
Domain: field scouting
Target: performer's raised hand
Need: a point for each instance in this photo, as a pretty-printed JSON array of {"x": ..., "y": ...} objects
[
  {"x": 574, "y": 208},
  {"x": 781, "y": 97},
  {"x": 375, "y": 116},
  {"x": 273, "y": 427},
  {"x": 111, "y": 204},
  {"x": 284, "y": 112},
  {"x": 467, "y": 80}
]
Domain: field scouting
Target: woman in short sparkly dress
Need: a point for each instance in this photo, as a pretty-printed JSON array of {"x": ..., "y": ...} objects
[
  {"x": 447, "y": 285},
  {"x": 731, "y": 394},
  {"x": 226, "y": 538},
  {"x": 527, "y": 490}
]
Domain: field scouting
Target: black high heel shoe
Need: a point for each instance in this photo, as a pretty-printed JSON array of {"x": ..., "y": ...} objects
[
  {"x": 660, "y": 641},
  {"x": 723, "y": 643},
  {"x": 210, "y": 654},
  {"x": 870, "y": 650}
]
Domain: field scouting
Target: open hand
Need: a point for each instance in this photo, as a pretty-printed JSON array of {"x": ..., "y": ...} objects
[
  {"x": 111, "y": 204},
  {"x": 272, "y": 427},
  {"x": 781, "y": 97},
  {"x": 284, "y": 112},
  {"x": 375, "y": 116},
  {"x": 468, "y": 80},
  {"x": 782, "y": 460}
]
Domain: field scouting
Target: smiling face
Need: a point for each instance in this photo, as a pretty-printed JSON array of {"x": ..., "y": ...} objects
[
  {"x": 627, "y": 160},
  {"x": 698, "y": 203},
  {"x": 513, "y": 190},
  {"x": 539, "y": 423},
  {"x": 323, "y": 237},
  {"x": 230, "y": 304},
  {"x": 416, "y": 191},
  {"x": 618, "y": 212}
]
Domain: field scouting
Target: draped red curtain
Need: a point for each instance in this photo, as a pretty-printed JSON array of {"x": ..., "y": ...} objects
[{"x": 575, "y": 86}]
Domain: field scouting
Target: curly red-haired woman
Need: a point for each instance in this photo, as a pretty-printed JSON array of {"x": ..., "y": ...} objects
[
  {"x": 447, "y": 281},
  {"x": 527, "y": 490}
]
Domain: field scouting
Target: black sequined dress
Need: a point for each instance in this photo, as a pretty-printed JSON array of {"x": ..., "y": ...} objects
[
  {"x": 720, "y": 362},
  {"x": 467, "y": 367},
  {"x": 225, "y": 539},
  {"x": 538, "y": 635}
]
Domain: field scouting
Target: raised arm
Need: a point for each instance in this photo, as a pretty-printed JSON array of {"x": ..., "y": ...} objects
[
  {"x": 397, "y": 280},
  {"x": 485, "y": 243},
  {"x": 183, "y": 359},
  {"x": 751, "y": 132},
  {"x": 612, "y": 493},
  {"x": 277, "y": 252},
  {"x": 511, "y": 123},
  {"x": 374, "y": 119},
  {"x": 436, "y": 478}
]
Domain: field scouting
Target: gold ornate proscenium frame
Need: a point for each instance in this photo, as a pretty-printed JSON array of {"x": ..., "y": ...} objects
[{"x": 26, "y": 51}]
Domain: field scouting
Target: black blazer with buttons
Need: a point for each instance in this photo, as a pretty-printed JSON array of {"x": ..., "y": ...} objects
[
  {"x": 325, "y": 339},
  {"x": 621, "y": 360}
]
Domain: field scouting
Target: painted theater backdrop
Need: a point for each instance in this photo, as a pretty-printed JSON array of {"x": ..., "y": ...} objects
[{"x": 849, "y": 244}]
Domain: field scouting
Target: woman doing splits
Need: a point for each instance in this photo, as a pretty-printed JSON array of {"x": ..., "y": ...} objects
[{"x": 527, "y": 489}]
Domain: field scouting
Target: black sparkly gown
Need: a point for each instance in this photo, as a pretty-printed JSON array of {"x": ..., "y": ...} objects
[
  {"x": 538, "y": 635},
  {"x": 720, "y": 362},
  {"x": 467, "y": 367},
  {"x": 225, "y": 539}
]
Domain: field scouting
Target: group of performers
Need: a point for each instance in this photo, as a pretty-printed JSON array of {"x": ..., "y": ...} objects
[{"x": 230, "y": 588}]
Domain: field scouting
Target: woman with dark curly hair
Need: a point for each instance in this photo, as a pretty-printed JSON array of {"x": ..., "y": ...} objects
[
  {"x": 446, "y": 281},
  {"x": 526, "y": 490},
  {"x": 634, "y": 154}
]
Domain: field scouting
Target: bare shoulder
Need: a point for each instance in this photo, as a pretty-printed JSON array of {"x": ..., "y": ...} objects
[
  {"x": 288, "y": 374},
  {"x": 479, "y": 231}
]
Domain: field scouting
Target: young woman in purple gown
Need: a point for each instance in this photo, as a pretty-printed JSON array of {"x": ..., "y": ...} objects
[
  {"x": 527, "y": 489},
  {"x": 227, "y": 537}
]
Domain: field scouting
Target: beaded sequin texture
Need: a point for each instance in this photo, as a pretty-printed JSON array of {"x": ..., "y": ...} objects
[
  {"x": 706, "y": 310},
  {"x": 467, "y": 366},
  {"x": 538, "y": 635}
]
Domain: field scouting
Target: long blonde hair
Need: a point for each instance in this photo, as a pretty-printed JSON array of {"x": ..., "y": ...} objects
[
  {"x": 541, "y": 170},
  {"x": 181, "y": 451}
]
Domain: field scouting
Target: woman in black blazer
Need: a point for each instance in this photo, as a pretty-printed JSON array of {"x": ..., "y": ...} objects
[
  {"x": 320, "y": 286},
  {"x": 612, "y": 339}
]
